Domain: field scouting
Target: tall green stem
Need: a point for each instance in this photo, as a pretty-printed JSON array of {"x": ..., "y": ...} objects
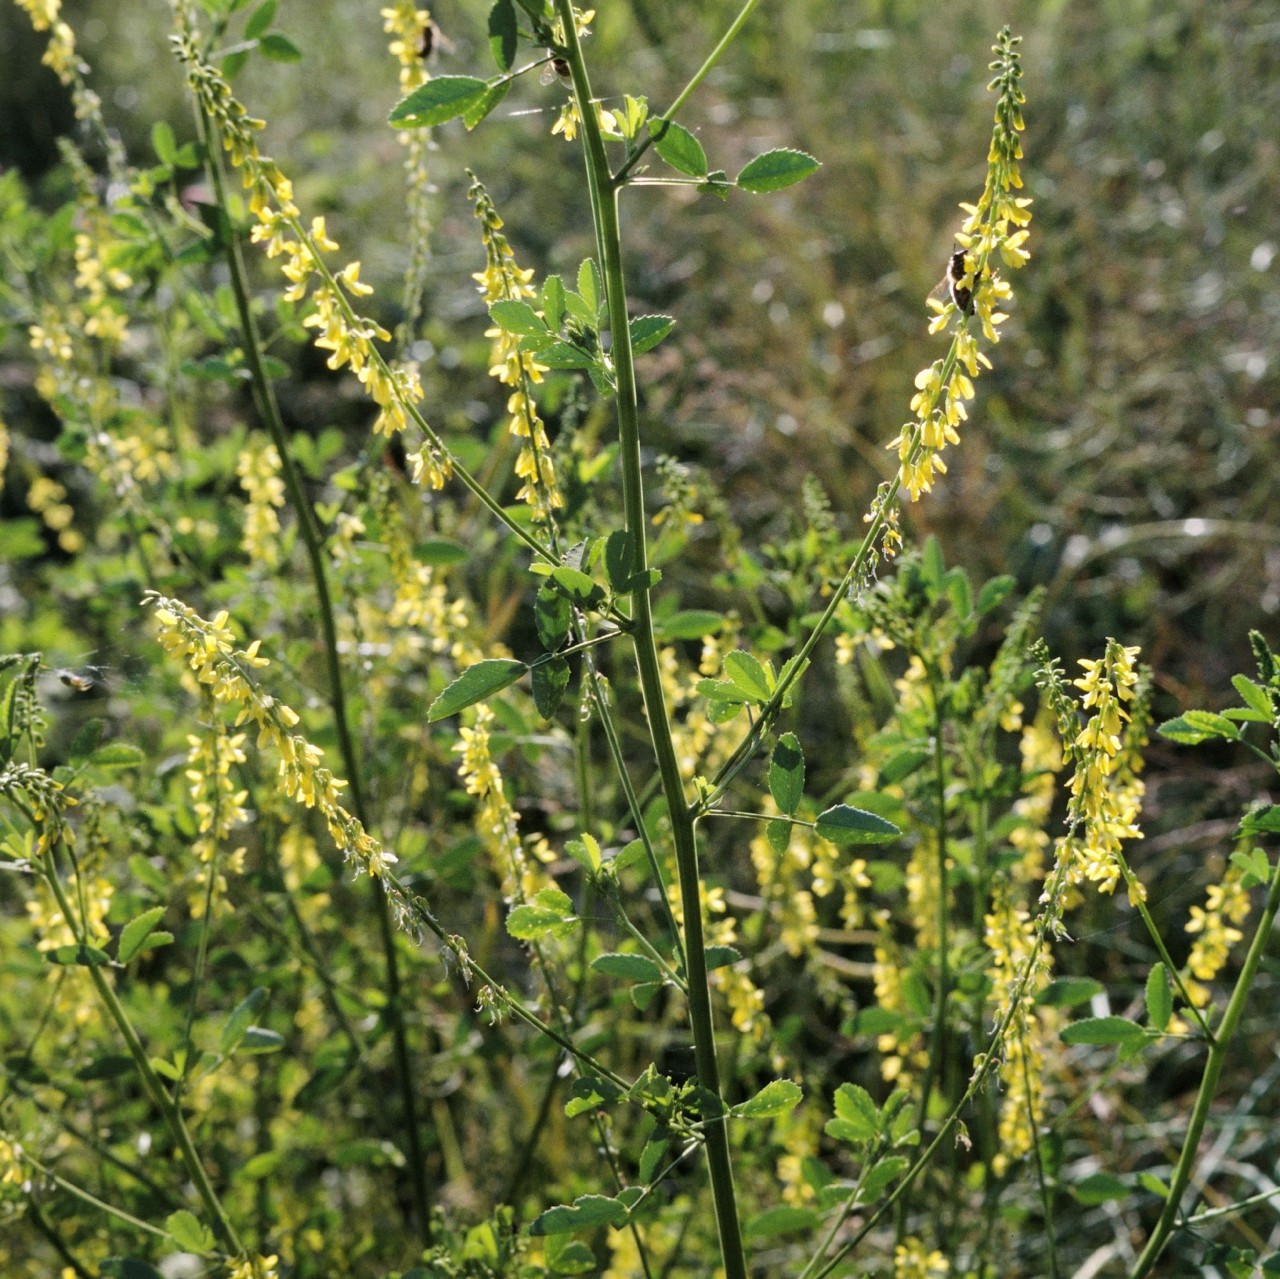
[
  {"x": 1209, "y": 1083},
  {"x": 604, "y": 195},
  {"x": 312, "y": 540}
]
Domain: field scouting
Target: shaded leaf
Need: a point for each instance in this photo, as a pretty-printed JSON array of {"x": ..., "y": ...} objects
[
  {"x": 627, "y": 967},
  {"x": 620, "y": 558},
  {"x": 1067, "y": 992},
  {"x": 550, "y": 682},
  {"x": 1159, "y": 998},
  {"x": 1103, "y": 1030},
  {"x": 241, "y": 1018},
  {"x": 1100, "y": 1188},
  {"x": 786, "y": 774},
  {"x": 475, "y": 684},
  {"x": 781, "y": 1220},
  {"x": 584, "y": 1214},
  {"x": 280, "y": 48},
  {"x": 689, "y": 624},
  {"x": 648, "y": 330},
  {"x": 503, "y": 34},
  {"x": 843, "y": 824}
]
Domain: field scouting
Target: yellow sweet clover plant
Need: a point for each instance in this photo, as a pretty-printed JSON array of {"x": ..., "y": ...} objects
[{"x": 736, "y": 1025}]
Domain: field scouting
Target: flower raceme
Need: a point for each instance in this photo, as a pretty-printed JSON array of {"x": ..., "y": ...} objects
[
  {"x": 994, "y": 228},
  {"x": 224, "y": 671}
]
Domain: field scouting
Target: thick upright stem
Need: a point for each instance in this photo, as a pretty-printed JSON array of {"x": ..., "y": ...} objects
[{"x": 604, "y": 195}]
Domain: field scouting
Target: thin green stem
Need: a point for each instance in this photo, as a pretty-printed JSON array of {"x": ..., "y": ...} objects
[
  {"x": 269, "y": 410},
  {"x": 605, "y": 216},
  {"x": 151, "y": 1083},
  {"x": 937, "y": 1036},
  {"x": 698, "y": 77},
  {"x": 1138, "y": 898},
  {"x": 1209, "y": 1081}
]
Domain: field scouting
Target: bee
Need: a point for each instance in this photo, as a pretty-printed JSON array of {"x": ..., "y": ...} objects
[
  {"x": 950, "y": 284},
  {"x": 88, "y": 679},
  {"x": 433, "y": 41},
  {"x": 555, "y": 67}
]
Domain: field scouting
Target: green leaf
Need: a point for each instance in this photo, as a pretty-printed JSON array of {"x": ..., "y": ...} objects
[
  {"x": 117, "y": 755},
  {"x": 779, "y": 1097},
  {"x": 722, "y": 957},
  {"x": 880, "y": 1175},
  {"x": 1159, "y": 998},
  {"x": 993, "y": 593},
  {"x": 1261, "y": 821},
  {"x": 776, "y": 169},
  {"x": 189, "y": 1233},
  {"x": 475, "y": 684},
  {"x": 585, "y": 1213},
  {"x": 1253, "y": 864},
  {"x": 748, "y": 676},
  {"x": 1101, "y": 1188},
  {"x": 553, "y": 302},
  {"x": 163, "y": 143},
  {"x": 440, "y": 552},
  {"x": 485, "y": 104},
  {"x": 280, "y": 48},
  {"x": 648, "y": 330},
  {"x": 552, "y": 615},
  {"x": 566, "y": 1256},
  {"x": 551, "y": 914},
  {"x": 651, "y": 1155},
  {"x": 78, "y": 956},
  {"x": 678, "y": 147},
  {"x": 585, "y": 851},
  {"x": 1253, "y": 695},
  {"x": 854, "y": 1106},
  {"x": 257, "y": 1039},
  {"x": 781, "y": 1220},
  {"x": 778, "y": 833},
  {"x": 134, "y": 935},
  {"x": 503, "y": 34},
  {"x": 589, "y": 286},
  {"x": 1149, "y": 1181},
  {"x": 260, "y": 20},
  {"x": 843, "y": 825},
  {"x": 550, "y": 682},
  {"x": 440, "y": 99},
  {"x": 627, "y": 967},
  {"x": 240, "y": 1020},
  {"x": 620, "y": 558},
  {"x": 580, "y": 589},
  {"x": 565, "y": 355},
  {"x": 786, "y": 774},
  {"x": 86, "y": 739},
  {"x": 516, "y": 317},
  {"x": 1067, "y": 992},
  {"x": 689, "y": 624},
  {"x": 1103, "y": 1030},
  {"x": 1198, "y": 726}
]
